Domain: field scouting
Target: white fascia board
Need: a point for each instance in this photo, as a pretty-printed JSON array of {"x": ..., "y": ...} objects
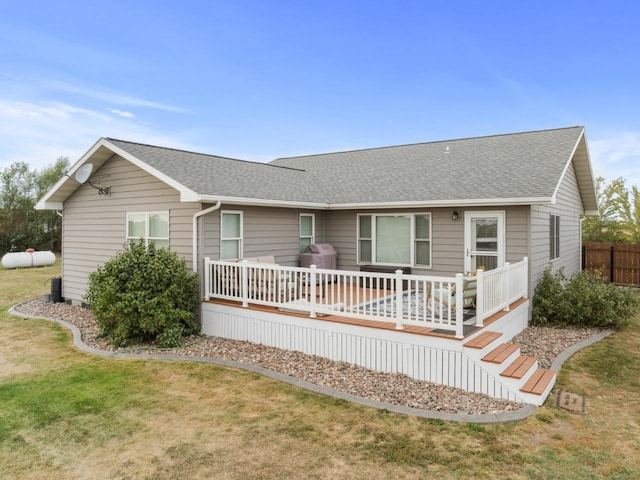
[
  {"x": 388, "y": 205},
  {"x": 570, "y": 162},
  {"x": 483, "y": 202},
  {"x": 261, "y": 202},
  {"x": 42, "y": 205},
  {"x": 186, "y": 194},
  {"x": 566, "y": 167}
]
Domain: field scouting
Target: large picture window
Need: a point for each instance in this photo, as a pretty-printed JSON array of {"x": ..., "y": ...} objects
[
  {"x": 554, "y": 237},
  {"x": 395, "y": 239},
  {"x": 150, "y": 227},
  {"x": 230, "y": 235},
  {"x": 307, "y": 230}
]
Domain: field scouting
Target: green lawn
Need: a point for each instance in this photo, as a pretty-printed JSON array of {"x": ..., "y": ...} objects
[{"x": 65, "y": 414}]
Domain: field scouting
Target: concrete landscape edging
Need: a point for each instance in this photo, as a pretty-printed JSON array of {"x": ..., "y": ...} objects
[{"x": 485, "y": 418}]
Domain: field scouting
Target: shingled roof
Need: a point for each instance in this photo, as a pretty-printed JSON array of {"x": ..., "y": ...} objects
[
  {"x": 520, "y": 168},
  {"x": 210, "y": 175}
]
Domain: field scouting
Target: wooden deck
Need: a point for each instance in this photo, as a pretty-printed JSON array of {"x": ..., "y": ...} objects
[
  {"x": 469, "y": 330},
  {"x": 483, "y": 361}
]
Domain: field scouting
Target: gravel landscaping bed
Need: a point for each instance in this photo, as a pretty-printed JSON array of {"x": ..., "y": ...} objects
[{"x": 540, "y": 342}]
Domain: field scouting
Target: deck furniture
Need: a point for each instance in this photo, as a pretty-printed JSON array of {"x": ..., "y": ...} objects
[
  {"x": 264, "y": 283},
  {"x": 448, "y": 297}
]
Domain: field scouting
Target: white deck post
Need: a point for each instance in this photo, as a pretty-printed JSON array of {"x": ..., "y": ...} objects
[
  {"x": 245, "y": 282},
  {"x": 399, "y": 308},
  {"x": 526, "y": 276},
  {"x": 312, "y": 300},
  {"x": 507, "y": 287},
  {"x": 480, "y": 298},
  {"x": 207, "y": 278},
  {"x": 459, "y": 298}
]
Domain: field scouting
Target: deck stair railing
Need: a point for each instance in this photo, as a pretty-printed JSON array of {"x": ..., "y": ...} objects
[{"x": 405, "y": 299}]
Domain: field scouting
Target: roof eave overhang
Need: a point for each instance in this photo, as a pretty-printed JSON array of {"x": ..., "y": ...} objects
[
  {"x": 55, "y": 197},
  {"x": 494, "y": 202},
  {"x": 261, "y": 202},
  {"x": 581, "y": 161},
  {"x": 49, "y": 205},
  {"x": 480, "y": 202}
]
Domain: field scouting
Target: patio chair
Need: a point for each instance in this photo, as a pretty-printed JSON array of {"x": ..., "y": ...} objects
[
  {"x": 264, "y": 284},
  {"x": 448, "y": 297}
]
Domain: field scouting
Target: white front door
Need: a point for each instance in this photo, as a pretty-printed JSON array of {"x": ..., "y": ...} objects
[{"x": 483, "y": 240}]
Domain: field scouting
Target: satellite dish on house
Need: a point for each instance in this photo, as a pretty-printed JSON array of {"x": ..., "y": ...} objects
[{"x": 83, "y": 173}]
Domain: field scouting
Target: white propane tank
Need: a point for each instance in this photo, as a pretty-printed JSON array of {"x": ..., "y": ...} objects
[{"x": 28, "y": 259}]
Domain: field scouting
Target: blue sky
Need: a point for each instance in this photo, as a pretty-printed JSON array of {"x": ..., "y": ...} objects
[{"x": 258, "y": 80}]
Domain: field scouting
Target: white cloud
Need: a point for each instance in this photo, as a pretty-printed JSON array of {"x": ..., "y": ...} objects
[
  {"x": 617, "y": 155},
  {"x": 110, "y": 96},
  {"x": 122, "y": 113},
  {"x": 39, "y": 133}
]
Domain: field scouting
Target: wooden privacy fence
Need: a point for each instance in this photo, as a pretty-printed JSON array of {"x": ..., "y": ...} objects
[{"x": 619, "y": 262}]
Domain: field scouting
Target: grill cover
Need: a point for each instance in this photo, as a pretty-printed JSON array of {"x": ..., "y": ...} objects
[{"x": 322, "y": 255}]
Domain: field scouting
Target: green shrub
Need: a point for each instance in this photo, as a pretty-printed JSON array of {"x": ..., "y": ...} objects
[
  {"x": 584, "y": 299},
  {"x": 144, "y": 294},
  {"x": 548, "y": 297}
]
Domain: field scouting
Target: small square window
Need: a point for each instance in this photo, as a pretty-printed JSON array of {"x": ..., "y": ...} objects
[{"x": 149, "y": 227}]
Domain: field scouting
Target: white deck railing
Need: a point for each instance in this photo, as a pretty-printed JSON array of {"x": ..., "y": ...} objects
[
  {"x": 418, "y": 300},
  {"x": 498, "y": 288}
]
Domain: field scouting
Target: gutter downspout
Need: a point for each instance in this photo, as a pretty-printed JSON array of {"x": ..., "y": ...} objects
[
  {"x": 196, "y": 216},
  {"x": 582, "y": 219}
]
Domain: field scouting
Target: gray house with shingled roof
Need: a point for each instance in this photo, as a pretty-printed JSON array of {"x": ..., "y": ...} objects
[
  {"x": 438, "y": 208},
  {"x": 412, "y": 225}
]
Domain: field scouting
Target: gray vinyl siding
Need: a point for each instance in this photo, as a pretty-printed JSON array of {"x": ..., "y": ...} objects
[
  {"x": 266, "y": 231},
  {"x": 341, "y": 232},
  {"x": 569, "y": 207},
  {"x": 94, "y": 226},
  {"x": 274, "y": 231},
  {"x": 447, "y": 237}
]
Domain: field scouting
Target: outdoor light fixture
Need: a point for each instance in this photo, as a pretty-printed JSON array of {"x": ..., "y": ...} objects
[
  {"x": 82, "y": 177},
  {"x": 454, "y": 215}
]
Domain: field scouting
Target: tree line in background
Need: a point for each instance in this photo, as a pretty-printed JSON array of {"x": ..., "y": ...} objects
[
  {"x": 21, "y": 225},
  {"x": 619, "y": 219}
]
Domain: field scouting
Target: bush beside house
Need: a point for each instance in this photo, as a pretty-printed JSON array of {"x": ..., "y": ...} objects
[
  {"x": 584, "y": 299},
  {"x": 144, "y": 294}
]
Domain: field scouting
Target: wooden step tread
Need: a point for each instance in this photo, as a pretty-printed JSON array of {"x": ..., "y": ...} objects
[
  {"x": 483, "y": 340},
  {"x": 519, "y": 367},
  {"x": 501, "y": 353},
  {"x": 538, "y": 382}
]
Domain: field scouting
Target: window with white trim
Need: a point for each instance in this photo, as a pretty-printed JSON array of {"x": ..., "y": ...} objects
[
  {"x": 149, "y": 227},
  {"x": 554, "y": 236},
  {"x": 230, "y": 235},
  {"x": 395, "y": 239},
  {"x": 307, "y": 231}
]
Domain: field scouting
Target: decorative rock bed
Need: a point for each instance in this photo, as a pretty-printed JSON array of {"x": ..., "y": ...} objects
[{"x": 540, "y": 342}]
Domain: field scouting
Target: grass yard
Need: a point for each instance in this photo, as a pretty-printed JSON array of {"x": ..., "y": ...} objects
[{"x": 65, "y": 414}]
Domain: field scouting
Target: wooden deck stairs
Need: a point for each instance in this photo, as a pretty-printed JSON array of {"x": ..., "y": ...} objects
[{"x": 518, "y": 373}]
